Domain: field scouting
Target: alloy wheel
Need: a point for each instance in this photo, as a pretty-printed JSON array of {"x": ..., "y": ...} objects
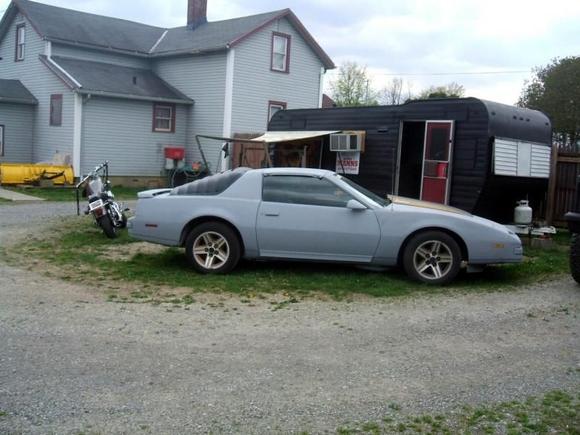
[
  {"x": 433, "y": 260},
  {"x": 211, "y": 250}
]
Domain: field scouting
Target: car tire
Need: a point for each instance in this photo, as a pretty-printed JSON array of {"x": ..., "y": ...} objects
[
  {"x": 575, "y": 257},
  {"x": 213, "y": 248},
  {"x": 432, "y": 257}
]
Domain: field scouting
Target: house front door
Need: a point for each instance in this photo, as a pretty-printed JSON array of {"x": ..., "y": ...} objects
[{"x": 437, "y": 156}]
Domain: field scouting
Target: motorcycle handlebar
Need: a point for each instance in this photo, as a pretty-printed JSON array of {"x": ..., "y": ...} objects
[{"x": 93, "y": 173}]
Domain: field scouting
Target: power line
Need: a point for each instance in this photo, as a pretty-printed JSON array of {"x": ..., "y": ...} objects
[{"x": 443, "y": 73}]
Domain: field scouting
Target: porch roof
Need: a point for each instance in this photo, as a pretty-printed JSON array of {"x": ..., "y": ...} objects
[
  {"x": 115, "y": 81},
  {"x": 13, "y": 91},
  {"x": 288, "y": 136}
]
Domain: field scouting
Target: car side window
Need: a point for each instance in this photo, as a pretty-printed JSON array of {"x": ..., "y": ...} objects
[{"x": 290, "y": 189}]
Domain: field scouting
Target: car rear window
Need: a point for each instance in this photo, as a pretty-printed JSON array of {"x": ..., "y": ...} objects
[{"x": 212, "y": 185}]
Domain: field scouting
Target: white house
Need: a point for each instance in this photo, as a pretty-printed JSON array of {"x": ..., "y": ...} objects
[{"x": 97, "y": 88}]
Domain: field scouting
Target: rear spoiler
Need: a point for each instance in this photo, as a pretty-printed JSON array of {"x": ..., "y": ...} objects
[{"x": 152, "y": 193}]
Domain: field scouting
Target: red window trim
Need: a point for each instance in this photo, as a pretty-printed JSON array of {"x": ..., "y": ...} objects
[
  {"x": 52, "y": 121},
  {"x": 275, "y": 103},
  {"x": 18, "y": 27},
  {"x": 286, "y": 69},
  {"x": 173, "y": 111}
]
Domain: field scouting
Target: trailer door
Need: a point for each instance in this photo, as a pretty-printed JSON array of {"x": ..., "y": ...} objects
[{"x": 437, "y": 156}]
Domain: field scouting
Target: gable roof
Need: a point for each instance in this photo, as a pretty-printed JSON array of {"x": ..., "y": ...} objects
[
  {"x": 12, "y": 91},
  {"x": 66, "y": 25},
  {"x": 103, "y": 79},
  {"x": 212, "y": 36},
  {"x": 113, "y": 34}
]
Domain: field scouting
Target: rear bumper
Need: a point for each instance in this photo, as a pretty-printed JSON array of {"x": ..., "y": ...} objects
[{"x": 139, "y": 232}]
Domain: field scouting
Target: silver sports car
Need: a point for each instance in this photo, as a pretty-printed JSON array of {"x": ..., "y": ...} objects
[{"x": 316, "y": 215}]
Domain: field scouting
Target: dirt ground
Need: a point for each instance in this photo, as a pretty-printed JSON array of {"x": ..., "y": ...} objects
[{"x": 72, "y": 362}]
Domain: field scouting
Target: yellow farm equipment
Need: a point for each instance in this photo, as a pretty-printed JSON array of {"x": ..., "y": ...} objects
[{"x": 26, "y": 173}]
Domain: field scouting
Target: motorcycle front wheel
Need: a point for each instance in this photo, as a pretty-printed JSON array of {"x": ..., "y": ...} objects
[{"x": 107, "y": 226}]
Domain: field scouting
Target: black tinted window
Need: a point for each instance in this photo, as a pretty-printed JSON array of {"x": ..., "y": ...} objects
[
  {"x": 304, "y": 190},
  {"x": 212, "y": 185}
]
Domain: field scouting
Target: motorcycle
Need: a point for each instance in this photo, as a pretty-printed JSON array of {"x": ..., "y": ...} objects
[{"x": 102, "y": 205}]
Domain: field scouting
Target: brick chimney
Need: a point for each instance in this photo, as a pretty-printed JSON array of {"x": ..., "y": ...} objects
[{"x": 196, "y": 13}]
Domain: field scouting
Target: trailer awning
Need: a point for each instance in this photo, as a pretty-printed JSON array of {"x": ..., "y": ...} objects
[{"x": 287, "y": 136}]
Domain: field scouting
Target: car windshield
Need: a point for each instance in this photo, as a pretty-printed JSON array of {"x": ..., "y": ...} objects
[{"x": 383, "y": 202}]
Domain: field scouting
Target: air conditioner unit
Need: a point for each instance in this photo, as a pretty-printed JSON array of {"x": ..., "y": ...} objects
[{"x": 347, "y": 142}]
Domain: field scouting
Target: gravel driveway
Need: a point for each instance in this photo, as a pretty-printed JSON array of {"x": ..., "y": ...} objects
[{"x": 70, "y": 362}]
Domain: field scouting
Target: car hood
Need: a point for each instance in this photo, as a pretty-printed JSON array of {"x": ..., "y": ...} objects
[{"x": 424, "y": 204}]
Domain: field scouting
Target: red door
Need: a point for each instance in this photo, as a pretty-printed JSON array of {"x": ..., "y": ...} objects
[{"x": 437, "y": 161}]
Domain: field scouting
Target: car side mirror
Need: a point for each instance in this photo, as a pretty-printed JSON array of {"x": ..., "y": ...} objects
[{"x": 354, "y": 205}]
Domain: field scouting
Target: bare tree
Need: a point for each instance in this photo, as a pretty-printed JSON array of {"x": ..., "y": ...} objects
[
  {"x": 353, "y": 87},
  {"x": 393, "y": 92},
  {"x": 396, "y": 92}
]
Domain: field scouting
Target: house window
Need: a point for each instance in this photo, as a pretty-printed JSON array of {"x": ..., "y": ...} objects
[
  {"x": 20, "y": 42},
  {"x": 1, "y": 140},
  {"x": 280, "y": 52},
  {"x": 274, "y": 107},
  {"x": 164, "y": 118},
  {"x": 56, "y": 110}
]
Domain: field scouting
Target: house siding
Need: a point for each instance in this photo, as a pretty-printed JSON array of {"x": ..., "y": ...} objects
[
  {"x": 99, "y": 56},
  {"x": 120, "y": 131},
  {"x": 255, "y": 84},
  {"x": 16, "y": 119},
  {"x": 42, "y": 84},
  {"x": 201, "y": 78},
  {"x": 112, "y": 128}
]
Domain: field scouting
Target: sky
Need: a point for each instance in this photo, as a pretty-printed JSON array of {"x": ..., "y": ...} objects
[{"x": 489, "y": 47}]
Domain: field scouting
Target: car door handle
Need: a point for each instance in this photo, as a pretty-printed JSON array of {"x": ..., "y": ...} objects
[{"x": 272, "y": 214}]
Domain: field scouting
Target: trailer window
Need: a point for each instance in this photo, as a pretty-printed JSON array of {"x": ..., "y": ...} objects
[{"x": 515, "y": 158}]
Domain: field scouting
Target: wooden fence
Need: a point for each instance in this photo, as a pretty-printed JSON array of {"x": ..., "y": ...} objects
[{"x": 562, "y": 187}]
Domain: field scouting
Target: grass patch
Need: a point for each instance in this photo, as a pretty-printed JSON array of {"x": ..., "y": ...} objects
[
  {"x": 555, "y": 412},
  {"x": 80, "y": 251},
  {"x": 67, "y": 194}
]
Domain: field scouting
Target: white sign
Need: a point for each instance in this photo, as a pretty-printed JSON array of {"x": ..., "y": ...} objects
[{"x": 349, "y": 161}]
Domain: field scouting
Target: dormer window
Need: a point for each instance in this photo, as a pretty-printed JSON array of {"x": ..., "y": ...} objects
[
  {"x": 20, "y": 42},
  {"x": 280, "y": 52}
]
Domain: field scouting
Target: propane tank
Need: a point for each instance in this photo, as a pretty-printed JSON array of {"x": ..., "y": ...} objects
[{"x": 523, "y": 213}]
